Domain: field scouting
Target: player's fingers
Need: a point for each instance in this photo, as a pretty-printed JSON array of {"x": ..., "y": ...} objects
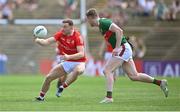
[
  {"x": 62, "y": 57},
  {"x": 63, "y": 53},
  {"x": 115, "y": 53},
  {"x": 34, "y": 37}
]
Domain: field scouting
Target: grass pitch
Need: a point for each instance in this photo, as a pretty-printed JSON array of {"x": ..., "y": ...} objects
[{"x": 17, "y": 94}]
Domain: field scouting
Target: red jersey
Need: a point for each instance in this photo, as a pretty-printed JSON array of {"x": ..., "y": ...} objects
[
  {"x": 68, "y": 44},
  {"x": 109, "y": 47}
]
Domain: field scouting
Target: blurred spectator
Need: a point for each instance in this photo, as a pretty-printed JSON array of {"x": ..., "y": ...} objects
[
  {"x": 139, "y": 48},
  {"x": 18, "y": 3},
  {"x": 174, "y": 9},
  {"x": 31, "y": 5},
  {"x": 145, "y": 7},
  {"x": 142, "y": 3},
  {"x": 123, "y": 4},
  {"x": 161, "y": 11},
  {"x": 2, "y": 4},
  {"x": 134, "y": 6},
  {"x": 150, "y": 5},
  {"x": 70, "y": 6},
  {"x": 120, "y": 18},
  {"x": 6, "y": 10},
  {"x": 3, "y": 63},
  {"x": 105, "y": 14},
  {"x": 114, "y": 3}
]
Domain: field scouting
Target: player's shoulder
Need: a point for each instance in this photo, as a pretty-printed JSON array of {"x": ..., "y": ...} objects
[
  {"x": 59, "y": 32},
  {"x": 105, "y": 20},
  {"x": 76, "y": 32}
]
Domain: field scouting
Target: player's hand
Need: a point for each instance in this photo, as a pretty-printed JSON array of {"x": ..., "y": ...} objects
[
  {"x": 116, "y": 51},
  {"x": 65, "y": 57},
  {"x": 34, "y": 38}
]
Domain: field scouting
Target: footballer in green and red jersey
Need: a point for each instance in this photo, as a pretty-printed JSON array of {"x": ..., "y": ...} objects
[
  {"x": 121, "y": 55},
  {"x": 110, "y": 37}
]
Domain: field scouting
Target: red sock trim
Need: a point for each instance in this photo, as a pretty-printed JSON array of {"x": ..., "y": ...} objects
[
  {"x": 158, "y": 82},
  {"x": 109, "y": 96},
  {"x": 42, "y": 94},
  {"x": 65, "y": 85}
]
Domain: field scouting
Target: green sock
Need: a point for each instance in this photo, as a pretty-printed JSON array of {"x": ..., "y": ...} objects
[
  {"x": 157, "y": 82},
  {"x": 109, "y": 94}
]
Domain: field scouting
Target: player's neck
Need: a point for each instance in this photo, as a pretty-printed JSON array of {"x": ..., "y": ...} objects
[
  {"x": 98, "y": 21},
  {"x": 71, "y": 33}
]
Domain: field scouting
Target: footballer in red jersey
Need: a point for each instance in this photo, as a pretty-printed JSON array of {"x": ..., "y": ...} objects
[{"x": 71, "y": 47}]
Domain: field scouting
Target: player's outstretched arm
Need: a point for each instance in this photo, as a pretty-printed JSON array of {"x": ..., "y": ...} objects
[{"x": 45, "y": 42}]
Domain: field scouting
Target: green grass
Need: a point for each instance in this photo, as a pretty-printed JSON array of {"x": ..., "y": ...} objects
[{"x": 18, "y": 92}]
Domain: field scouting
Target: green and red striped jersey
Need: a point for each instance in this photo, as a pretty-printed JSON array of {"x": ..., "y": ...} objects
[{"x": 110, "y": 37}]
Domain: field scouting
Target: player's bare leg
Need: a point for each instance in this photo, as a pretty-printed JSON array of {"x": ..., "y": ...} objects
[
  {"x": 61, "y": 80},
  {"x": 55, "y": 73},
  {"x": 132, "y": 73},
  {"x": 78, "y": 70},
  {"x": 111, "y": 65},
  {"x": 116, "y": 74},
  {"x": 60, "y": 83}
]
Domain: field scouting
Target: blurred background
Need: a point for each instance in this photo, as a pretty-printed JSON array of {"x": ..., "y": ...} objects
[{"x": 153, "y": 27}]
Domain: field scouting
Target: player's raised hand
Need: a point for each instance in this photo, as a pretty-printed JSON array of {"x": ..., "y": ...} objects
[{"x": 116, "y": 51}]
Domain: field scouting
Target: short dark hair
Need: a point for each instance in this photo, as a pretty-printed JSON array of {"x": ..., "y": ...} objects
[
  {"x": 69, "y": 21},
  {"x": 92, "y": 12}
]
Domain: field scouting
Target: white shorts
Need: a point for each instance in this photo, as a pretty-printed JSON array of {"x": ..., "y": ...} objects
[
  {"x": 69, "y": 66},
  {"x": 58, "y": 59},
  {"x": 125, "y": 53}
]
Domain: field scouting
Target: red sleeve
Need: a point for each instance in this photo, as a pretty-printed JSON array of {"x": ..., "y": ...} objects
[
  {"x": 79, "y": 40},
  {"x": 57, "y": 35}
]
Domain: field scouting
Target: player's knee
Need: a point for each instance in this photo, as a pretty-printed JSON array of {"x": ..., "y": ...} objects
[
  {"x": 106, "y": 72},
  {"x": 79, "y": 71}
]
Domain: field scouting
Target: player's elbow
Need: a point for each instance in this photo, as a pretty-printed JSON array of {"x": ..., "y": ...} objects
[
  {"x": 120, "y": 31},
  {"x": 41, "y": 42}
]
